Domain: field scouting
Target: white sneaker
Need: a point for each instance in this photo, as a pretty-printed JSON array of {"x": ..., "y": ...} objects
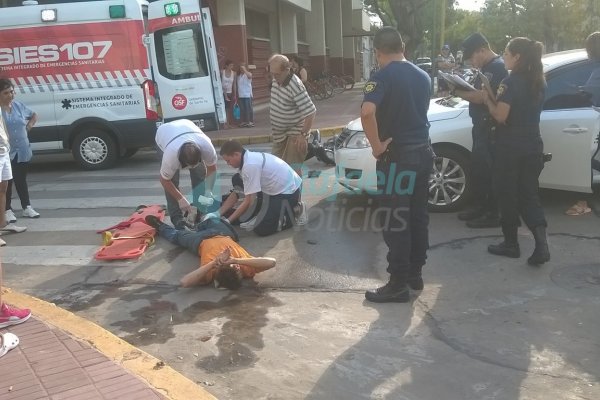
[
  {"x": 302, "y": 218},
  {"x": 248, "y": 225},
  {"x": 10, "y": 216},
  {"x": 29, "y": 212},
  {"x": 2, "y": 242},
  {"x": 13, "y": 228}
]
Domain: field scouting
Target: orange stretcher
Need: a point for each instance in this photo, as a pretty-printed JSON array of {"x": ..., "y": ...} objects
[{"x": 130, "y": 238}]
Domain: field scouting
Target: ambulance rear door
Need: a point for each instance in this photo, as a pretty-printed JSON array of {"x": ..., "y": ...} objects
[{"x": 181, "y": 63}]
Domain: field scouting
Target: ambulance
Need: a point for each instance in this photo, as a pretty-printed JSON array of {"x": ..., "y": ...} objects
[{"x": 102, "y": 75}]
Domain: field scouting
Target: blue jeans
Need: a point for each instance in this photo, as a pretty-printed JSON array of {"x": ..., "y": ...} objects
[
  {"x": 197, "y": 176},
  {"x": 204, "y": 230},
  {"x": 247, "y": 114}
]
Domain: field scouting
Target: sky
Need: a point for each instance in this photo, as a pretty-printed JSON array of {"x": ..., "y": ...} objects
[{"x": 472, "y": 5}]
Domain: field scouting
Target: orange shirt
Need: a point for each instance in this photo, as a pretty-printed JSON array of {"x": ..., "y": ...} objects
[{"x": 210, "y": 248}]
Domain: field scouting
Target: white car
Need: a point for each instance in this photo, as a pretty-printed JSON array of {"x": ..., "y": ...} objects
[{"x": 569, "y": 127}]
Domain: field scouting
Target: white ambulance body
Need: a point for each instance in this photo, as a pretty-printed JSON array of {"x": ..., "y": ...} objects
[{"x": 91, "y": 71}]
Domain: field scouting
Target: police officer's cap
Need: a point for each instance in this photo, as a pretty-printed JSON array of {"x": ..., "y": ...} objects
[{"x": 472, "y": 44}]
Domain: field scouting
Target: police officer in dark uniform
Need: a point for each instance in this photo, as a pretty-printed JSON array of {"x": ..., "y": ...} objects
[
  {"x": 519, "y": 148},
  {"x": 394, "y": 117},
  {"x": 477, "y": 50}
]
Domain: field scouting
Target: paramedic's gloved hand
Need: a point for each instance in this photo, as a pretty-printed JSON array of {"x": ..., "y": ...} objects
[
  {"x": 206, "y": 200},
  {"x": 184, "y": 205},
  {"x": 190, "y": 217},
  {"x": 215, "y": 215}
]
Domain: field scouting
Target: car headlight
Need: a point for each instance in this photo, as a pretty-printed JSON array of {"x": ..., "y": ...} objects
[{"x": 358, "y": 141}]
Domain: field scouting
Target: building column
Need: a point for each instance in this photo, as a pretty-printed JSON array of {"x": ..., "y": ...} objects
[
  {"x": 315, "y": 35},
  {"x": 230, "y": 31},
  {"x": 349, "y": 46},
  {"x": 333, "y": 36}
]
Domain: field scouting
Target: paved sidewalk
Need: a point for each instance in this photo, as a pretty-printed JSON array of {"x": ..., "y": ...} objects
[
  {"x": 50, "y": 364},
  {"x": 334, "y": 112}
]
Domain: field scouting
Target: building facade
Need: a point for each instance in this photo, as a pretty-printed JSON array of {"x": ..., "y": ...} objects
[{"x": 330, "y": 35}]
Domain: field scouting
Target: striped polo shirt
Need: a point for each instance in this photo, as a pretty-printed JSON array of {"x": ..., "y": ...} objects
[{"x": 290, "y": 105}]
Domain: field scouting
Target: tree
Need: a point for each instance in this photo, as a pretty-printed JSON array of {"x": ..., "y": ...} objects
[{"x": 404, "y": 15}]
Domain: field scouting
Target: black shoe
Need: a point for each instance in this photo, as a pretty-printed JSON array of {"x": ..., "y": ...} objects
[
  {"x": 390, "y": 293},
  {"x": 541, "y": 254},
  {"x": 153, "y": 221},
  {"x": 471, "y": 214},
  {"x": 485, "y": 221},
  {"x": 415, "y": 283},
  {"x": 504, "y": 249}
]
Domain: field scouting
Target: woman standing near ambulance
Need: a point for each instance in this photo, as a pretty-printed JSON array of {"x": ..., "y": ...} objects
[
  {"x": 519, "y": 148},
  {"x": 19, "y": 120}
]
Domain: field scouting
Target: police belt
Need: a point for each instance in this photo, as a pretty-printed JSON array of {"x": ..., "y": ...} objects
[{"x": 398, "y": 149}]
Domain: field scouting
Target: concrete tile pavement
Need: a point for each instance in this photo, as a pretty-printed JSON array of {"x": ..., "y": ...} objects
[
  {"x": 51, "y": 364},
  {"x": 62, "y": 356},
  {"x": 332, "y": 114}
]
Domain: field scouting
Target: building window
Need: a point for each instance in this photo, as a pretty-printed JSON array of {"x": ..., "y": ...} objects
[
  {"x": 257, "y": 24},
  {"x": 301, "y": 27}
]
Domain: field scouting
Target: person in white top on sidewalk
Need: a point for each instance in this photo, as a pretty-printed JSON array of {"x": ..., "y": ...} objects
[
  {"x": 19, "y": 120},
  {"x": 185, "y": 146},
  {"x": 267, "y": 177},
  {"x": 5, "y": 172},
  {"x": 228, "y": 84},
  {"x": 244, "y": 87}
]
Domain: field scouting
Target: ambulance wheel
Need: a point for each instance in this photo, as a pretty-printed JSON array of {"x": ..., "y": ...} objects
[{"x": 95, "y": 149}]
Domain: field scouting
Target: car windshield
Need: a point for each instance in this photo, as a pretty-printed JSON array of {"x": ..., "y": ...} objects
[{"x": 423, "y": 60}]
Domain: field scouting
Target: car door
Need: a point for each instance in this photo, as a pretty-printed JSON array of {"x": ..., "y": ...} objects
[{"x": 569, "y": 127}]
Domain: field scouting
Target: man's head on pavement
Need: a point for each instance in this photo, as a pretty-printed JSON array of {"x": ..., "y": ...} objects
[
  {"x": 388, "y": 45},
  {"x": 232, "y": 151},
  {"x": 229, "y": 277},
  {"x": 476, "y": 50},
  {"x": 189, "y": 155},
  {"x": 280, "y": 66}
]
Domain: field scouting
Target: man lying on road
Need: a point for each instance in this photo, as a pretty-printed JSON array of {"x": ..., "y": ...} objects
[{"x": 222, "y": 260}]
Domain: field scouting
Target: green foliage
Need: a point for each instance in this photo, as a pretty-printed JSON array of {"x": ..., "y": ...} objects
[{"x": 559, "y": 24}]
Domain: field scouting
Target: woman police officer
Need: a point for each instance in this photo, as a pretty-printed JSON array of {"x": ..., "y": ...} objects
[{"x": 519, "y": 148}]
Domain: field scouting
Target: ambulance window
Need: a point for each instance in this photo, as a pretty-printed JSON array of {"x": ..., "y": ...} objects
[{"x": 180, "y": 53}]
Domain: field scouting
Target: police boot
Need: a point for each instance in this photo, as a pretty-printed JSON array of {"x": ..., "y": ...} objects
[
  {"x": 541, "y": 254},
  {"x": 415, "y": 278},
  {"x": 510, "y": 246},
  {"x": 469, "y": 215},
  {"x": 488, "y": 220},
  {"x": 395, "y": 291}
]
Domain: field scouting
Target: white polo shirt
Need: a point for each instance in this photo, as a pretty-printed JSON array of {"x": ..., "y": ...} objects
[
  {"x": 172, "y": 135},
  {"x": 273, "y": 178}
]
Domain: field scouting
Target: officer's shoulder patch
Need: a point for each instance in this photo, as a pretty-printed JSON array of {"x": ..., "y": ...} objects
[
  {"x": 501, "y": 89},
  {"x": 369, "y": 87}
]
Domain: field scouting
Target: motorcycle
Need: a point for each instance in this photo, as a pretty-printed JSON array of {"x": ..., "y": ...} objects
[{"x": 322, "y": 151}]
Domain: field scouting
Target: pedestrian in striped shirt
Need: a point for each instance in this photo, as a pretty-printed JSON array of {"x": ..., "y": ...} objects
[{"x": 292, "y": 116}]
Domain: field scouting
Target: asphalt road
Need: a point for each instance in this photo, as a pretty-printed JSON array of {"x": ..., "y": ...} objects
[{"x": 483, "y": 328}]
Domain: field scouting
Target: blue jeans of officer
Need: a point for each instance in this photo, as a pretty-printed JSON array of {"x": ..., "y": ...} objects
[
  {"x": 197, "y": 176},
  {"x": 192, "y": 239},
  {"x": 518, "y": 164},
  {"x": 403, "y": 193},
  {"x": 482, "y": 161}
]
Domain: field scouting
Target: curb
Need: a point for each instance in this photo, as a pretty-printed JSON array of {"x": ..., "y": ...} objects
[
  {"x": 165, "y": 379},
  {"x": 259, "y": 139}
]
